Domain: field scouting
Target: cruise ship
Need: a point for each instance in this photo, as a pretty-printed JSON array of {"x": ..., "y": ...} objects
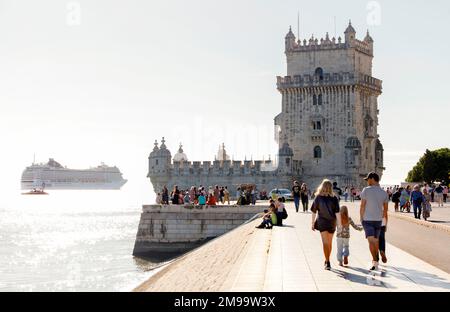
[{"x": 53, "y": 175}]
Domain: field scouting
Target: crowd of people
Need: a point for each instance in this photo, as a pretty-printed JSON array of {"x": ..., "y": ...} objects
[
  {"x": 195, "y": 195},
  {"x": 420, "y": 198}
]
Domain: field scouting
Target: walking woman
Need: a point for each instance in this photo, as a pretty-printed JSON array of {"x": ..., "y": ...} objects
[
  {"x": 326, "y": 208},
  {"x": 304, "y": 197},
  {"x": 426, "y": 203}
]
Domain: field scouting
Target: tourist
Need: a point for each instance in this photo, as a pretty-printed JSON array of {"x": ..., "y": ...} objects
[
  {"x": 374, "y": 206},
  {"x": 304, "y": 196},
  {"x": 281, "y": 210},
  {"x": 439, "y": 195},
  {"x": 165, "y": 196},
  {"x": 445, "y": 193},
  {"x": 269, "y": 218},
  {"x": 202, "y": 199},
  {"x": 175, "y": 195},
  {"x": 417, "y": 200},
  {"x": 396, "y": 198},
  {"x": 226, "y": 195},
  {"x": 426, "y": 203},
  {"x": 296, "y": 195},
  {"x": 187, "y": 198},
  {"x": 343, "y": 236},
  {"x": 352, "y": 194},
  {"x": 337, "y": 190},
  {"x": 346, "y": 194},
  {"x": 211, "y": 200},
  {"x": 326, "y": 208},
  {"x": 158, "y": 199},
  {"x": 216, "y": 193},
  {"x": 405, "y": 198},
  {"x": 221, "y": 195},
  {"x": 238, "y": 193},
  {"x": 192, "y": 193},
  {"x": 253, "y": 196},
  {"x": 181, "y": 197}
]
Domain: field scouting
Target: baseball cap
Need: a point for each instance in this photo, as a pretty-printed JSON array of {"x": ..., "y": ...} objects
[{"x": 373, "y": 175}]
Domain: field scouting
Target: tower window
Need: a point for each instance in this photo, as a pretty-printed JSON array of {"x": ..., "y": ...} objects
[
  {"x": 314, "y": 99},
  {"x": 317, "y": 125},
  {"x": 157, "y": 162},
  {"x": 317, "y": 152},
  {"x": 320, "y": 99},
  {"x": 319, "y": 72}
]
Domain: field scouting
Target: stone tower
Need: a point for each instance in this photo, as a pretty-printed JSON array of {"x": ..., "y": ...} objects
[{"x": 329, "y": 114}]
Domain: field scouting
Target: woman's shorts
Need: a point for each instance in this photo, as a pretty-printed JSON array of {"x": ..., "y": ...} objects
[{"x": 323, "y": 225}]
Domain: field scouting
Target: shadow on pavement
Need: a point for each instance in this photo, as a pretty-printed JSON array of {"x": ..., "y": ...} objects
[
  {"x": 424, "y": 278},
  {"x": 366, "y": 278}
]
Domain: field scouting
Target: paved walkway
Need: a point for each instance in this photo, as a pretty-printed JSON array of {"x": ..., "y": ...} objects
[{"x": 290, "y": 258}]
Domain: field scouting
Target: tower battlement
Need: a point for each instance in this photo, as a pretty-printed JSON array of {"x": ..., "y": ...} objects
[
  {"x": 293, "y": 45},
  {"x": 329, "y": 79}
]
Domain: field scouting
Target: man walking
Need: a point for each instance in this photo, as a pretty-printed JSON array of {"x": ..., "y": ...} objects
[
  {"x": 296, "y": 195},
  {"x": 374, "y": 207}
]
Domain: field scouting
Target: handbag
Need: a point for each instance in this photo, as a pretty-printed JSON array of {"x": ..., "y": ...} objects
[{"x": 284, "y": 214}]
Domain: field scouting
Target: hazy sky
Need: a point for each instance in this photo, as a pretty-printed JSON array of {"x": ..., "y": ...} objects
[{"x": 100, "y": 80}]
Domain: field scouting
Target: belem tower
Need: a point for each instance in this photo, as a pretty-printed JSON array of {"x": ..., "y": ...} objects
[{"x": 327, "y": 128}]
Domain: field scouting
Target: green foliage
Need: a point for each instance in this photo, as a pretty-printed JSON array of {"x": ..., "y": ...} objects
[{"x": 432, "y": 166}]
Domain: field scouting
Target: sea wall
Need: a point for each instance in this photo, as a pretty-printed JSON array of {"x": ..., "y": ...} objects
[{"x": 171, "y": 229}]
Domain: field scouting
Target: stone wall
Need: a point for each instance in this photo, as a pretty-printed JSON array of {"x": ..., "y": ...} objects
[{"x": 165, "y": 229}]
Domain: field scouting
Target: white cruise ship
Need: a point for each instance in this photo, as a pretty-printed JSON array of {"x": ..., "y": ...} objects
[{"x": 53, "y": 175}]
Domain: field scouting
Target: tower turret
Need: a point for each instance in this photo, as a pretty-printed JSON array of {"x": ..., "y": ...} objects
[
  {"x": 350, "y": 33},
  {"x": 285, "y": 155},
  {"x": 289, "y": 40},
  {"x": 368, "y": 39}
]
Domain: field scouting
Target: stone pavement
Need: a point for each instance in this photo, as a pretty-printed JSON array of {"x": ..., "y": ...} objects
[{"x": 290, "y": 258}]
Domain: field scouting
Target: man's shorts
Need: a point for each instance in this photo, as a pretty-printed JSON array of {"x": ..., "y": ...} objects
[{"x": 372, "y": 228}]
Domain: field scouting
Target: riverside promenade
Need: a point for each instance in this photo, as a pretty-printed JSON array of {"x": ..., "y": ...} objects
[{"x": 290, "y": 258}]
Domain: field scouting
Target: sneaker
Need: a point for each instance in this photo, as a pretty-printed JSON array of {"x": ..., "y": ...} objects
[
  {"x": 383, "y": 257},
  {"x": 340, "y": 263},
  {"x": 374, "y": 266},
  {"x": 345, "y": 260},
  {"x": 327, "y": 265}
]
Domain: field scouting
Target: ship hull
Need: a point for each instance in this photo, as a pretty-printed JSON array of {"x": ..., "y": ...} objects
[{"x": 75, "y": 186}]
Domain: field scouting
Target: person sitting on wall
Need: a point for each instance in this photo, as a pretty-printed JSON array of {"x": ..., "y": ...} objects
[
  {"x": 211, "y": 200},
  {"x": 269, "y": 218},
  {"x": 187, "y": 198},
  {"x": 159, "y": 199},
  {"x": 201, "y": 199}
]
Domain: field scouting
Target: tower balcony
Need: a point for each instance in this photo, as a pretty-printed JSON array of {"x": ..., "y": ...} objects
[{"x": 335, "y": 79}]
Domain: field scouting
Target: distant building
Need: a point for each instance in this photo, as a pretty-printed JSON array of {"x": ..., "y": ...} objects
[{"x": 327, "y": 128}]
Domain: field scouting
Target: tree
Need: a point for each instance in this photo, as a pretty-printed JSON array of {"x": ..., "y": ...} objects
[{"x": 432, "y": 166}]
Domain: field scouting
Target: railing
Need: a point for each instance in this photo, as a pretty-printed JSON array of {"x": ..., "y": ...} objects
[{"x": 301, "y": 81}]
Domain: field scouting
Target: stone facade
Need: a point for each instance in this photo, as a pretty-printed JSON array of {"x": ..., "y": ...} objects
[
  {"x": 167, "y": 229},
  {"x": 327, "y": 128},
  {"x": 330, "y": 109}
]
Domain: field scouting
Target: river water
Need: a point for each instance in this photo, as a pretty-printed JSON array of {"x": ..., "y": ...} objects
[{"x": 70, "y": 241}]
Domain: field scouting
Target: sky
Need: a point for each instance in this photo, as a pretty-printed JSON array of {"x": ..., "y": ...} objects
[{"x": 96, "y": 81}]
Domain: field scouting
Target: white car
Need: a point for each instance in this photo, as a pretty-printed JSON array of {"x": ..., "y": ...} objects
[{"x": 287, "y": 194}]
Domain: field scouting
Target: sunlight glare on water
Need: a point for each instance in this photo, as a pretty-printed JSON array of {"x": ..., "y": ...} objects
[{"x": 70, "y": 241}]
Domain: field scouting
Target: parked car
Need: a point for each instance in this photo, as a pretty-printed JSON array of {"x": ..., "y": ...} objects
[{"x": 287, "y": 194}]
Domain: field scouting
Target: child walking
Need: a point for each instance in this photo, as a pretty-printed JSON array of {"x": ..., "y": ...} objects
[{"x": 343, "y": 236}]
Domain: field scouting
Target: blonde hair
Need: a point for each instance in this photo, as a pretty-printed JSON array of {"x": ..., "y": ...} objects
[
  {"x": 344, "y": 215},
  {"x": 325, "y": 189}
]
